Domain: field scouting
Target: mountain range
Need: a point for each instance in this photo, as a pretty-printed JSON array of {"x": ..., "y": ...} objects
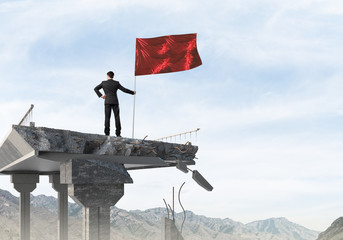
[
  {"x": 139, "y": 225},
  {"x": 334, "y": 232}
]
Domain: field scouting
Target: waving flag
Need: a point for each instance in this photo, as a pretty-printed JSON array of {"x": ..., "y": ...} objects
[{"x": 166, "y": 54}]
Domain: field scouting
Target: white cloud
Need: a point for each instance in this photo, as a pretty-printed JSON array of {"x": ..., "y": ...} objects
[
  {"x": 255, "y": 161},
  {"x": 292, "y": 34}
]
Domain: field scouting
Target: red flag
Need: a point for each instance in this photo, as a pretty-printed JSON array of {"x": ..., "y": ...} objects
[{"x": 166, "y": 54}]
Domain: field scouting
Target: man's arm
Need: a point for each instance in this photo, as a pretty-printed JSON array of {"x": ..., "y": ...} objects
[
  {"x": 97, "y": 88},
  {"x": 126, "y": 90}
]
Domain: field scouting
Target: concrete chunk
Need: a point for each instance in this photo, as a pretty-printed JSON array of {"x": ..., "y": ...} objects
[{"x": 82, "y": 171}]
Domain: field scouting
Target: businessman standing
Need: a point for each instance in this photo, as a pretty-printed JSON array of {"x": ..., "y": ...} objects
[{"x": 110, "y": 87}]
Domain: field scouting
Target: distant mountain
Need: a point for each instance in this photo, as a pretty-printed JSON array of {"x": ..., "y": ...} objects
[
  {"x": 283, "y": 228},
  {"x": 46, "y": 202},
  {"x": 138, "y": 225},
  {"x": 334, "y": 232}
]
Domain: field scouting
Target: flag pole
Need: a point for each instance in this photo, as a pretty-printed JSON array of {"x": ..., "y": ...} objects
[{"x": 134, "y": 110}]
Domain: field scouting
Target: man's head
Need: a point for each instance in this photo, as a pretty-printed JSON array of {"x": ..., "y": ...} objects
[{"x": 110, "y": 75}]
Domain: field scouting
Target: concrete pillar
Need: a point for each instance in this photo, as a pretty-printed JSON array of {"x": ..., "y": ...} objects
[
  {"x": 24, "y": 184},
  {"x": 62, "y": 190},
  {"x": 96, "y": 200},
  {"x": 96, "y": 222},
  {"x": 169, "y": 230},
  {"x": 96, "y": 185}
]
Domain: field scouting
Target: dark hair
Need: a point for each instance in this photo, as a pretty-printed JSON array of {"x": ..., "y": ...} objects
[{"x": 110, "y": 74}]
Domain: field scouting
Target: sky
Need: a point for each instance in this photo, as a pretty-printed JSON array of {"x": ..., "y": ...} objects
[{"x": 268, "y": 97}]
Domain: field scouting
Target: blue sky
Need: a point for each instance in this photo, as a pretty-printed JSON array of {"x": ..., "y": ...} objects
[{"x": 268, "y": 97}]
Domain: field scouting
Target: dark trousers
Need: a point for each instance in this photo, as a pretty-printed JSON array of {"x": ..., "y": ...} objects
[{"x": 108, "y": 110}]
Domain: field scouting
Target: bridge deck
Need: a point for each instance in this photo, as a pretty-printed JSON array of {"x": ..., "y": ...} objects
[{"x": 41, "y": 150}]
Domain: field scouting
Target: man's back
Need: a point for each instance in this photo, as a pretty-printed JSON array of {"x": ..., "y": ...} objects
[{"x": 110, "y": 88}]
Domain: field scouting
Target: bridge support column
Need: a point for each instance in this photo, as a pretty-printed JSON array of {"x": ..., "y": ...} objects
[
  {"x": 96, "y": 185},
  {"x": 169, "y": 230},
  {"x": 96, "y": 201},
  {"x": 62, "y": 190},
  {"x": 96, "y": 222},
  {"x": 24, "y": 184}
]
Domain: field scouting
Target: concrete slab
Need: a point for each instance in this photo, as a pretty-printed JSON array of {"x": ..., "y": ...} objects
[{"x": 41, "y": 150}]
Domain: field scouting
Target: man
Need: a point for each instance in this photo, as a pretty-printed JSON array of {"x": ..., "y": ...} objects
[{"x": 110, "y": 87}]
